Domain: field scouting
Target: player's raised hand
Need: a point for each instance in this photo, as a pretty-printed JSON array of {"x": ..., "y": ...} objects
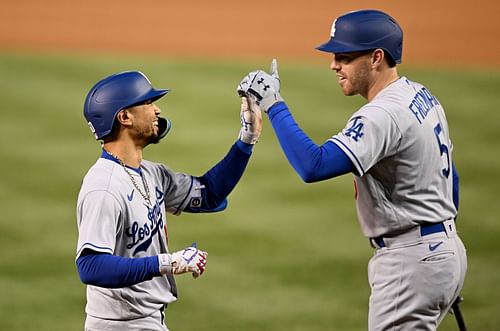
[
  {"x": 262, "y": 87},
  {"x": 251, "y": 121}
]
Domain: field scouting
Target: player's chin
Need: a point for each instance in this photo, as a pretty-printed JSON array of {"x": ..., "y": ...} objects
[
  {"x": 154, "y": 138},
  {"x": 151, "y": 137},
  {"x": 347, "y": 90},
  {"x": 344, "y": 86}
]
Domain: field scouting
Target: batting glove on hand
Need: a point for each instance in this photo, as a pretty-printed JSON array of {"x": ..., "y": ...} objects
[
  {"x": 190, "y": 259},
  {"x": 251, "y": 121},
  {"x": 262, "y": 87}
]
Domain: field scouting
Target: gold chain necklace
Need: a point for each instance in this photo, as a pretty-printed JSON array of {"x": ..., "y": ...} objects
[{"x": 145, "y": 195}]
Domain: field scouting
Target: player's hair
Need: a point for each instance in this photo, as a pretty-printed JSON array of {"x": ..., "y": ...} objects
[
  {"x": 387, "y": 56},
  {"x": 112, "y": 135},
  {"x": 390, "y": 61}
]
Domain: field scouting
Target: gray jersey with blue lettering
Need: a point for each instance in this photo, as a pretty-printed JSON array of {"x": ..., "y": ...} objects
[
  {"x": 114, "y": 218},
  {"x": 400, "y": 145}
]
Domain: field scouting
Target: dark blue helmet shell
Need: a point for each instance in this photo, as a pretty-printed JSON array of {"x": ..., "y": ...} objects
[{"x": 365, "y": 30}]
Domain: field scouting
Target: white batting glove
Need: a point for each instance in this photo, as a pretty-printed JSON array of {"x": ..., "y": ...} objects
[
  {"x": 190, "y": 259},
  {"x": 251, "y": 121},
  {"x": 262, "y": 87}
]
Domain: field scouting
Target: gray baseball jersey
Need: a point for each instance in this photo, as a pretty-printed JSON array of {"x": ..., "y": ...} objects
[
  {"x": 114, "y": 218},
  {"x": 400, "y": 146}
]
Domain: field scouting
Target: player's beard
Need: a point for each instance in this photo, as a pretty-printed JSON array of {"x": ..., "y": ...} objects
[
  {"x": 358, "y": 81},
  {"x": 154, "y": 140},
  {"x": 149, "y": 135}
]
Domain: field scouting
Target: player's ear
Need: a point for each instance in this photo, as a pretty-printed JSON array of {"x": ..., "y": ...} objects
[
  {"x": 123, "y": 117},
  {"x": 377, "y": 57}
]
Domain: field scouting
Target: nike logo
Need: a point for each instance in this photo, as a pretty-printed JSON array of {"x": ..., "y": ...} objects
[
  {"x": 131, "y": 196},
  {"x": 434, "y": 247}
]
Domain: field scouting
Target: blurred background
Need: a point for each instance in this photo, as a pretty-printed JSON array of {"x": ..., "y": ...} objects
[{"x": 285, "y": 255}]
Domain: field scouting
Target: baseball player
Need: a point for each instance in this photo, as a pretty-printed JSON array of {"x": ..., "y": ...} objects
[
  {"x": 122, "y": 252},
  {"x": 398, "y": 148}
]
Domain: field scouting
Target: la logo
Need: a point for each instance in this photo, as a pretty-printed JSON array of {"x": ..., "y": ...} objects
[{"x": 356, "y": 130}]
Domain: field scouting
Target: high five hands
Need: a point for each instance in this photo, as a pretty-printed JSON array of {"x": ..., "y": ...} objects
[{"x": 262, "y": 88}]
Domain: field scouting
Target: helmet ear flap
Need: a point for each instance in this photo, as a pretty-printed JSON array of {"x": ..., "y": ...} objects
[{"x": 164, "y": 126}]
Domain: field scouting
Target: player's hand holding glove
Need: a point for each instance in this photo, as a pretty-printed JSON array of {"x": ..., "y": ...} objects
[
  {"x": 262, "y": 87},
  {"x": 251, "y": 121},
  {"x": 190, "y": 259}
]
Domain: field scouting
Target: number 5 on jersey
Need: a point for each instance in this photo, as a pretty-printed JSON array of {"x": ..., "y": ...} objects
[{"x": 443, "y": 149}]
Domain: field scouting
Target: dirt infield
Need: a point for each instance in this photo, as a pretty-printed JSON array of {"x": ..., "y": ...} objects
[{"x": 445, "y": 32}]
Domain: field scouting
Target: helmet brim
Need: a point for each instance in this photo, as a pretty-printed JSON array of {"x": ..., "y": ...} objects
[
  {"x": 327, "y": 47},
  {"x": 335, "y": 46},
  {"x": 152, "y": 95}
]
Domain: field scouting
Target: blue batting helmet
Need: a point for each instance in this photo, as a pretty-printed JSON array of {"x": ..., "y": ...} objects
[
  {"x": 117, "y": 92},
  {"x": 364, "y": 30}
]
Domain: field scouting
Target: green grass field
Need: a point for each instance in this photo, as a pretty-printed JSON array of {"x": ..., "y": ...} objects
[{"x": 285, "y": 255}]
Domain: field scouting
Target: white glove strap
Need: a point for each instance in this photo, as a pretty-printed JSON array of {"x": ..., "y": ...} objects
[{"x": 165, "y": 264}]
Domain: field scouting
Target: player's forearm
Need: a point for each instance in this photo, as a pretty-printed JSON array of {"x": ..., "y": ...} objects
[
  {"x": 223, "y": 177},
  {"x": 312, "y": 162},
  {"x": 110, "y": 271}
]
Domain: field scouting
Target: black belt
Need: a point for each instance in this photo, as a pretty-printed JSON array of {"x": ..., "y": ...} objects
[{"x": 425, "y": 229}]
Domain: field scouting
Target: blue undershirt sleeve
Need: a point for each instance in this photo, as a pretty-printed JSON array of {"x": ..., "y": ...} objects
[
  {"x": 312, "y": 162},
  {"x": 221, "y": 179},
  {"x": 111, "y": 271}
]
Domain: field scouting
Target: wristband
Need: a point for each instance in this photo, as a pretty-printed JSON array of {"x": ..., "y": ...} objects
[{"x": 165, "y": 264}]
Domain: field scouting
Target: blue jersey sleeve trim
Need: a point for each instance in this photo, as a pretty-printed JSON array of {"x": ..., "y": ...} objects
[
  {"x": 96, "y": 248},
  {"x": 110, "y": 271},
  {"x": 222, "y": 206},
  {"x": 346, "y": 148}
]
